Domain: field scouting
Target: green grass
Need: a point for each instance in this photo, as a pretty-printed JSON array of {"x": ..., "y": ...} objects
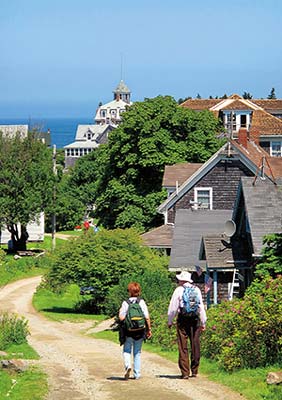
[
  {"x": 24, "y": 351},
  {"x": 73, "y": 233},
  {"x": 60, "y": 307},
  {"x": 28, "y": 385},
  {"x": 250, "y": 383}
]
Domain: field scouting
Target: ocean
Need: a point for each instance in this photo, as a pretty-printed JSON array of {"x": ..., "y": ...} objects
[{"x": 63, "y": 130}]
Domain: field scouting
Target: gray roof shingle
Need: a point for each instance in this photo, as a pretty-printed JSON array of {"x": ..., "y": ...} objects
[
  {"x": 190, "y": 227},
  {"x": 263, "y": 203}
]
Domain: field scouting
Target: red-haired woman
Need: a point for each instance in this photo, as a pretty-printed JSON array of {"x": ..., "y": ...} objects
[{"x": 133, "y": 342}]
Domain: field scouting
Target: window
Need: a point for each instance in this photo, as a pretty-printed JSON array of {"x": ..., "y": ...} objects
[
  {"x": 103, "y": 113},
  {"x": 276, "y": 149},
  {"x": 243, "y": 120},
  {"x": 203, "y": 198}
]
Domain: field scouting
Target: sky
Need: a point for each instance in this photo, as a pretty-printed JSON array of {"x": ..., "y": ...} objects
[{"x": 60, "y": 58}]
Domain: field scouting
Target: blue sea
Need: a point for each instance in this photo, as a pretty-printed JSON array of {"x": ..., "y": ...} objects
[{"x": 63, "y": 130}]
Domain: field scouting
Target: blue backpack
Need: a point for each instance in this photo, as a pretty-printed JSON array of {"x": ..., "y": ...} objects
[{"x": 191, "y": 302}]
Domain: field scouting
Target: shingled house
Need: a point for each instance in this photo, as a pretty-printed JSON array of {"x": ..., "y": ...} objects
[
  {"x": 199, "y": 205},
  {"x": 262, "y": 119},
  {"x": 255, "y": 219}
]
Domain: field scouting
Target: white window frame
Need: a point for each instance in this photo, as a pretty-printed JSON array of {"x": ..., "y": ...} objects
[
  {"x": 196, "y": 190},
  {"x": 271, "y": 149}
]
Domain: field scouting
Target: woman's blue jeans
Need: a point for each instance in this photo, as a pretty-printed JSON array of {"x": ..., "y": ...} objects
[{"x": 135, "y": 346}]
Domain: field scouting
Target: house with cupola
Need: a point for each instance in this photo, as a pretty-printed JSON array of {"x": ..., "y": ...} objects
[
  {"x": 107, "y": 117},
  {"x": 111, "y": 113}
]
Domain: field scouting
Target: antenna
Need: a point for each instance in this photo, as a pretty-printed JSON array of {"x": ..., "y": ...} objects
[
  {"x": 229, "y": 228},
  {"x": 121, "y": 66}
]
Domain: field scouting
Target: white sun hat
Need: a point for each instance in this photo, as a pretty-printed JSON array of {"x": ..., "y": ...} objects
[{"x": 184, "y": 276}]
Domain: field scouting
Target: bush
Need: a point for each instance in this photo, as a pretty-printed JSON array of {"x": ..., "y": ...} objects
[
  {"x": 100, "y": 260},
  {"x": 155, "y": 285},
  {"x": 247, "y": 333},
  {"x": 13, "y": 330},
  {"x": 157, "y": 289}
]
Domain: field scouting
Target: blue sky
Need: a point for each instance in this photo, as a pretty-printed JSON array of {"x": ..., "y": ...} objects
[{"x": 61, "y": 57}]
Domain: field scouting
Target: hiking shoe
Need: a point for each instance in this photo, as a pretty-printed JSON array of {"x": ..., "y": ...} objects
[
  {"x": 127, "y": 373},
  {"x": 184, "y": 377}
]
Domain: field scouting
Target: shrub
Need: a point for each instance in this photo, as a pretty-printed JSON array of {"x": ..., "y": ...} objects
[
  {"x": 155, "y": 285},
  {"x": 157, "y": 289},
  {"x": 13, "y": 330},
  {"x": 2, "y": 255},
  {"x": 247, "y": 333},
  {"x": 100, "y": 260}
]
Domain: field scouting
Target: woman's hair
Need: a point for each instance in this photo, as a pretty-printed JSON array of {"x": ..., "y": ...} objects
[{"x": 134, "y": 289}]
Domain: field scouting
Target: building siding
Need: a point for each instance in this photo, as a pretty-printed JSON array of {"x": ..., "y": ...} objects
[{"x": 224, "y": 179}]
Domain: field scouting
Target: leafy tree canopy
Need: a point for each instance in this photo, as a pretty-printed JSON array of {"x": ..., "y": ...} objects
[
  {"x": 124, "y": 177},
  {"x": 26, "y": 183},
  {"x": 271, "y": 263},
  {"x": 247, "y": 95}
]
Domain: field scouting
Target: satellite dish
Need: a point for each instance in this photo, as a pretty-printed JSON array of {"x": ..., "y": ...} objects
[{"x": 230, "y": 228}]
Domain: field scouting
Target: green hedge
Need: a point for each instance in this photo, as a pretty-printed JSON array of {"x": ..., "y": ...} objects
[{"x": 247, "y": 333}]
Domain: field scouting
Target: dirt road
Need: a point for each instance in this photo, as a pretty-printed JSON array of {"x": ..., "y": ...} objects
[{"x": 82, "y": 368}]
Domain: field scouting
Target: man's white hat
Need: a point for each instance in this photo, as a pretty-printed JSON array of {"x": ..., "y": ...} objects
[{"x": 184, "y": 276}]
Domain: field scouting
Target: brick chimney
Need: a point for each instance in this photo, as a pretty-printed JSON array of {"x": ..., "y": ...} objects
[{"x": 243, "y": 137}]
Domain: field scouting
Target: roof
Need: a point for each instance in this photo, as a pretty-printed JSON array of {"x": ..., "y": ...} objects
[
  {"x": 114, "y": 104},
  {"x": 121, "y": 88},
  {"x": 264, "y": 217},
  {"x": 82, "y": 136},
  {"x": 179, "y": 173},
  {"x": 190, "y": 227},
  {"x": 269, "y": 104},
  {"x": 96, "y": 130},
  {"x": 160, "y": 237},
  {"x": 200, "y": 104},
  {"x": 223, "y": 252},
  {"x": 250, "y": 157},
  {"x": 12, "y": 130},
  {"x": 262, "y": 120},
  {"x": 265, "y": 123}
]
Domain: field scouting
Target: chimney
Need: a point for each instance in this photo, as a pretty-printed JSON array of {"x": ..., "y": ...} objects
[{"x": 243, "y": 137}]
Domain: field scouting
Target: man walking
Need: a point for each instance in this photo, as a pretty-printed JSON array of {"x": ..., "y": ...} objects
[{"x": 187, "y": 303}]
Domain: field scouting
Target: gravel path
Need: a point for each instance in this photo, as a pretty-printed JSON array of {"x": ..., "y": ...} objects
[{"x": 83, "y": 368}]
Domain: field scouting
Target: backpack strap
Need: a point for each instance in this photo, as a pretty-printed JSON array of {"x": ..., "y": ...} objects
[{"x": 135, "y": 302}]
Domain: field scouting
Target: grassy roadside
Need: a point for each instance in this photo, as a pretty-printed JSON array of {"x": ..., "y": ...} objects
[{"x": 31, "y": 384}]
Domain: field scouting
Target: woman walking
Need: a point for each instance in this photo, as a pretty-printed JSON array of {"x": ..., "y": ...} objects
[{"x": 134, "y": 338}]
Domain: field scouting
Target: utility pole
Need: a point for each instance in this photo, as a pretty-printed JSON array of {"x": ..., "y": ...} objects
[{"x": 54, "y": 200}]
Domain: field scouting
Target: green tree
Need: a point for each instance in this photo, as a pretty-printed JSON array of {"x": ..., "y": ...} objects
[
  {"x": 124, "y": 177},
  {"x": 26, "y": 184},
  {"x": 272, "y": 95},
  {"x": 247, "y": 96},
  {"x": 271, "y": 262},
  {"x": 180, "y": 101}
]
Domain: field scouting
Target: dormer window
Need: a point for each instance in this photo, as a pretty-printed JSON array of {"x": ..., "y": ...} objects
[{"x": 234, "y": 121}]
